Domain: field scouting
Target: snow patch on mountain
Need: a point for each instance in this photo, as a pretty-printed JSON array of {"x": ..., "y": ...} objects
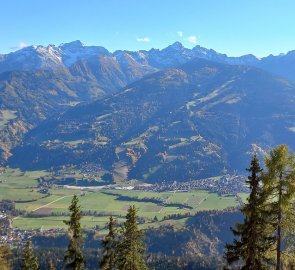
[
  {"x": 65, "y": 55},
  {"x": 74, "y": 51}
]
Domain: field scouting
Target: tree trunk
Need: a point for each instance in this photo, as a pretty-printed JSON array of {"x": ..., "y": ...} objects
[
  {"x": 279, "y": 236},
  {"x": 279, "y": 246}
]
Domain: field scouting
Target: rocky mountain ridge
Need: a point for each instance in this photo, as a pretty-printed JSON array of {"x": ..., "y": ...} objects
[{"x": 59, "y": 57}]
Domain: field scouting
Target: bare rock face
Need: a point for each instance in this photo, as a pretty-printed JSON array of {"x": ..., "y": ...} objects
[{"x": 11, "y": 135}]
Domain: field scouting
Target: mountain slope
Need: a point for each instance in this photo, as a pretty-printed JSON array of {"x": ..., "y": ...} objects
[
  {"x": 283, "y": 65},
  {"x": 29, "y": 97},
  {"x": 39, "y": 84},
  {"x": 179, "y": 124}
]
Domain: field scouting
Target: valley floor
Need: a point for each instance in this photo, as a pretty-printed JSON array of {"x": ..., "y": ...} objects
[{"x": 45, "y": 211}]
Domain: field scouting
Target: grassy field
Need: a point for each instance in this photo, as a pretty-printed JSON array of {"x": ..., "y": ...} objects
[
  {"x": 20, "y": 186},
  {"x": 243, "y": 196},
  {"x": 46, "y": 223},
  {"x": 87, "y": 222},
  {"x": 5, "y": 117},
  {"x": 50, "y": 210},
  {"x": 107, "y": 202},
  {"x": 110, "y": 203}
]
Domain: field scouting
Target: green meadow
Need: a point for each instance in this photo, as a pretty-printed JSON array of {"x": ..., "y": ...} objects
[
  {"x": 105, "y": 203},
  {"x": 16, "y": 185},
  {"x": 155, "y": 208},
  {"x": 5, "y": 117}
]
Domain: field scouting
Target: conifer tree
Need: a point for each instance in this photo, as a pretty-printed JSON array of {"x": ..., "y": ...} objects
[
  {"x": 130, "y": 247},
  {"x": 4, "y": 249},
  {"x": 253, "y": 240},
  {"x": 4, "y": 254},
  {"x": 50, "y": 265},
  {"x": 279, "y": 183},
  {"x": 73, "y": 258},
  {"x": 29, "y": 259},
  {"x": 109, "y": 247}
]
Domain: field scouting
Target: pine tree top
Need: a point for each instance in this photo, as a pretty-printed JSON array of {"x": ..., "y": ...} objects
[{"x": 29, "y": 259}]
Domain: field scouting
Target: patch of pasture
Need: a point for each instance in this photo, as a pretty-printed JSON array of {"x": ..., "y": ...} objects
[
  {"x": 102, "y": 204},
  {"x": 243, "y": 196},
  {"x": 14, "y": 178},
  {"x": 53, "y": 222},
  {"x": 5, "y": 117}
]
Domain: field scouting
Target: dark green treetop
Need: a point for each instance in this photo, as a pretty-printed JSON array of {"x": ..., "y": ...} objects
[
  {"x": 252, "y": 240},
  {"x": 130, "y": 248},
  {"x": 108, "y": 261},
  {"x": 29, "y": 259},
  {"x": 73, "y": 258}
]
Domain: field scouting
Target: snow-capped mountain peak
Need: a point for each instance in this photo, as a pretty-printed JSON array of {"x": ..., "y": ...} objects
[
  {"x": 73, "y": 45},
  {"x": 76, "y": 50},
  {"x": 52, "y": 57}
]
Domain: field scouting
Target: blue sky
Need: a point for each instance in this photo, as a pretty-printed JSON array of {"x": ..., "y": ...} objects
[{"x": 234, "y": 27}]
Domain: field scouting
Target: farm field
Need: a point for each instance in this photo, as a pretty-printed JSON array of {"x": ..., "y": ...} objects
[
  {"x": 154, "y": 208},
  {"x": 243, "y": 196},
  {"x": 5, "y": 117},
  {"x": 16, "y": 185},
  {"x": 87, "y": 222},
  {"x": 57, "y": 222}
]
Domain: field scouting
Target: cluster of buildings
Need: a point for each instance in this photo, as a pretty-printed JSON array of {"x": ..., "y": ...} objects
[
  {"x": 224, "y": 185},
  {"x": 16, "y": 237}
]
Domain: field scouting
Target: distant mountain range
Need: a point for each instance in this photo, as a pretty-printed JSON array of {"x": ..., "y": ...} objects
[
  {"x": 171, "y": 114},
  {"x": 75, "y": 55}
]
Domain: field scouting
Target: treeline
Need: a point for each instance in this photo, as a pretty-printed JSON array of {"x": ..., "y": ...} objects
[
  {"x": 154, "y": 200},
  {"x": 8, "y": 207},
  {"x": 265, "y": 239}
]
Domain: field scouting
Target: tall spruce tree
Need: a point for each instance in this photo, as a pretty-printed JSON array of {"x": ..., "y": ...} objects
[
  {"x": 29, "y": 259},
  {"x": 108, "y": 261},
  {"x": 130, "y": 247},
  {"x": 50, "y": 265},
  {"x": 73, "y": 258},
  {"x": 5, "y": 251},
  {"x": 279, "y": 186},
  {"x": 252, "y": 240},
  {"x": 4, "y": 254}
]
